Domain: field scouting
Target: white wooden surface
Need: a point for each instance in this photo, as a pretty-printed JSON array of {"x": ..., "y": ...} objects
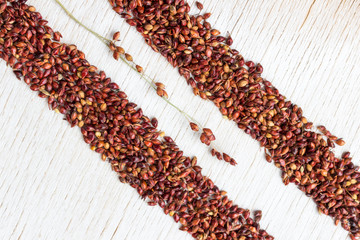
[{"x": 53, "y": 187}]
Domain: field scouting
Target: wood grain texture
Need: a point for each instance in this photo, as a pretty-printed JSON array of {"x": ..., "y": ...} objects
[{"x": 53, "y": 187}]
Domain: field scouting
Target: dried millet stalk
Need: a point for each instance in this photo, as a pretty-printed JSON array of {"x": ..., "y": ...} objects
[{"x": 119, "y": 53}]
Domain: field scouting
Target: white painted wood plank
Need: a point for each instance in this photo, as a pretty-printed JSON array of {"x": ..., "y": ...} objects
[{"x": 53, "y": 187}]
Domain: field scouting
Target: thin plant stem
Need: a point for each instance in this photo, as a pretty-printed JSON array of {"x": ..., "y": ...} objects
[
  {"x": 103, "y": 39},
  {"x": 145, "y": 77},
  {"x": 148, "y": 79}
]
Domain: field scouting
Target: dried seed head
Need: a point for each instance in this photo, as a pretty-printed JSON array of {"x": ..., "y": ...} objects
[
  {"x": 116, "y": 55},
  {"x": 194, "y": 126},
  {"x": 139, "y": 68},
  {"x": 161, "y": 92},
  {"x": 233, "y": 162},
  {"x": 120, "y": 50},
  {"x": 112, "y": 46},
  {"x": 160, "y": 85},
  {"x": 165, "y": 94},
  {"x": 208, "y": 132},
  {"x": 213, "y": 152},
  {"x": 211, "y": 138},
  {"x": 204, "y": 139},
  {"x": 226, "y": 157},
  {"x": 128, "y": 57},
  {"x": 116, "y": 36}
]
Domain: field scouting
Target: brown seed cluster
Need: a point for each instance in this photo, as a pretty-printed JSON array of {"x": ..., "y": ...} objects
[
  {"x": 207, "y": 137},
  {"x": 160, "y": 90},
  {"x": 119, "y": 52},
  {"x": 117, "y": 129},
  {"x": 223, "y": 156},
  {"x": 220, "y": 74}
]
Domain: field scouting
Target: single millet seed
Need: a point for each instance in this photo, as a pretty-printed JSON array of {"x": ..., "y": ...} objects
[
  {"x": 199, "y": 5},
  {"x": 128, "y": 57},
  {"x": 194, "y": 127},
  {"x": 116, "y": 36}
]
